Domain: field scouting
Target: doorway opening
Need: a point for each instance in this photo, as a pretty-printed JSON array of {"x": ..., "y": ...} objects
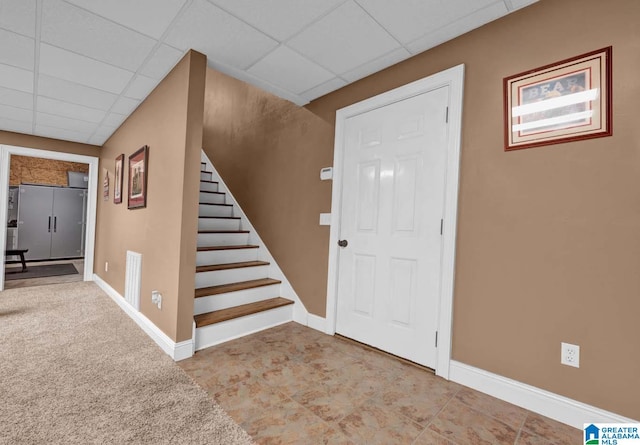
[{"x": 47, "y": 212}]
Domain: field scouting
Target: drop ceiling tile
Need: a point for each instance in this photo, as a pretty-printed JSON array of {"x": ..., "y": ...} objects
[
  {"x": 125, "y": 105},
  {"x": 15, "y": 98},
  {"x": 140, "y": 87},
  {"x": 73, "y": 67},
  {"x": 65, "y": 123},
  {"x": 18, "y": 16},
  {"x": 16, "y": 78},
  {"x": 300, "y": 74},
  {"x": 150, "y": 17},
  {"x": 77, "y": 30},
  {"x": 74, "y": 93},
  {"x": 97, "y": 140},
  {"x": 17, "y": 114},
  {"x": 518, "y": 4},
  {"x": 458, "y": 28},
  {"x": 114, "y": 120},
  {"x": 208, "y": 29},
  {"x": 376, "y": 65},
  {"x": 327, "y": 87},
  {"x": 344, "y": 39},
  {"x": 72, "y": 111},
  {"x": 105, "y": 131},
  {"x": 16, "y": 50},
  {"x": 409, "y": 19},
  {"x": 162, "y": 61},
  {"x": 15, "y": 126},
  {"x": 61, "y": 133},
  {"x": 279, "y": 19}
]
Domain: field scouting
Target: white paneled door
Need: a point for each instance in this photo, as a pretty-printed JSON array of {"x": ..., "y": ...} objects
[{"x": 393, "y": 186}]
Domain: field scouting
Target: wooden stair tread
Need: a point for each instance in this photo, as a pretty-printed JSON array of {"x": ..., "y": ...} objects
[
  {"x": 206, "y": 180},
  {"x": 240, "y": 311},
  {"x": 233, "y": 287},
  {"x": 214, "y": 193},
  {"x": 208, "y": 248},
  {"x": 220, "y": 217},
  {"x": 226, "y": 266},
  {"x": 214, "y": 204}
]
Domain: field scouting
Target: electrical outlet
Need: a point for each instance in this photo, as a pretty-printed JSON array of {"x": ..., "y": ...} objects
[
  {"x": 156, "y": 297},
  {"x": 106, "y": 266},
  {"x": 570, "y": 355}
]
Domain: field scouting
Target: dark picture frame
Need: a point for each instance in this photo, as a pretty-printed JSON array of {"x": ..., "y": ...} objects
[
  {"x": 566, "y": 101},
  {"x": 138, "y": 165},
  {"x": 118, "y": 180}
]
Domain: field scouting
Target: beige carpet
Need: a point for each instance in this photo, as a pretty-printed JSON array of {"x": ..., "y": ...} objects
[{"x": 74, "y": 369}]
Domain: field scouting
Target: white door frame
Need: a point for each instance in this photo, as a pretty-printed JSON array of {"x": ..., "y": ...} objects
[
  {"x": 6, "y": 151},
  {"x": 454, "y": 78}
]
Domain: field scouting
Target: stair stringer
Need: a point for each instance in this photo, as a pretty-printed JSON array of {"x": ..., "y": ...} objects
[{"x": 300, "y": 313}]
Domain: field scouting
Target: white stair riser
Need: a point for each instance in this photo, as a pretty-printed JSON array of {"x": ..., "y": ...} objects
[
  {"x": 212, "y": 198},
  {"x": 209, "y": 210},
  {"x": 228, "y": 276},
  {"x": 209, "y": 186},
  {"x": 218, "y": 224},
  {"x": 203, "y": 305},
  {"x": 226, "y": 256},
  {"x": 207, "y": 176},
  {"x": 239, "y": 327},
  {"x": 222, "y": 239}
]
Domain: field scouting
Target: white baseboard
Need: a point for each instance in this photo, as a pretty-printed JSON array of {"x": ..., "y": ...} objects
[
  {"x": 177, "y": 351},
  {"x": 560, "y": 408},
  {"x": 317, "y": 323}
]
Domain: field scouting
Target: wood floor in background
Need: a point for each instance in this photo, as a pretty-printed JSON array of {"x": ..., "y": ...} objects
[
  {"x": 14, "y": 284},
  {"x": 295, "y": 385}
]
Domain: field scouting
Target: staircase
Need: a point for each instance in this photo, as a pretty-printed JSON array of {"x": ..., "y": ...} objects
[{"x": 234, "y": 294}]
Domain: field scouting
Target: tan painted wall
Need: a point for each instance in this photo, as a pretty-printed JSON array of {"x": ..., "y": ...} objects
[
  {"x": 548, "y": 245},
  {"x": 28, "y": 141},
  {"x": 169, "y": 121},
  {"x": 27, "y": 170},
  {"x": 269, "y": 152}
]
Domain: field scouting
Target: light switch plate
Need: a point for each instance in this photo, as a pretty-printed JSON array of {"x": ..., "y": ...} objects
[{"x": 325, "y": 219}]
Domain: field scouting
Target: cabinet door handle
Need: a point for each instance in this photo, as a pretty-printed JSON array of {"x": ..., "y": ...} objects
[
  {"x": 49, "y": 228},
  {"x": 55, "y": 223}
]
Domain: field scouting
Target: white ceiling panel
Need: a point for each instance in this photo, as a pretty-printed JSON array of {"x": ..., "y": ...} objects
[
  {"x": 150, "y": 17},
  {"x": 301, "y": 74},
  {"x": 16, "y": 78},
  {"x": 161, "y": 62},
  {"x": 409, "y": 19},
  {"x": 125, "y": 105},
  {"x": 65, "y": 123},
  {"x": 279, "y": 19},
  {"x": 61, "y": 133},
  {"x": 86, "y": 65},
  {"x": 73, "y": 67},
  {"x": 15, "y": 126},
  {"x": 376, "y": 65},
  {"x": 18, "y": 16},
  {"x": 16, "y": 98},
  {"x": 344, "y": 39},
  {"x": 16, "y": 50},
  {"x": 114, "y": 120},
  {"x": 97, "y": 140},
  {"x": 14, "y": 113},
  {"x": 327, "y": 87},
  {"x": 73, "y": 111},
  {"x": 140, "y": 87},
  {"x": 77, "y": 30},
  {"x": 208, "y": 29},
  {"x": 458, "y": 28},
  {"x": 74, "y": 93}
]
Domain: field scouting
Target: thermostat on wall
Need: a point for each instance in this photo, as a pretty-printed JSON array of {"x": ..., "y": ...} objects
[{"x": 326, "y": 173}]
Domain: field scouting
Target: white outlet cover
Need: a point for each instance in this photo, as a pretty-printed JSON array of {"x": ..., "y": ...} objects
[{"x": 570, "y": 355}]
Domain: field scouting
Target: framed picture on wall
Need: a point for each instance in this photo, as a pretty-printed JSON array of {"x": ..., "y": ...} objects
[
  {"x": 138, "y": 164},
  {"x": 117, "y": 183},
  {"x": 566, "y": 101}
]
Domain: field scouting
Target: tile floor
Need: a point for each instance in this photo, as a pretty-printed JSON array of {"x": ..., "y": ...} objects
[{"x": 294, "y": 385}]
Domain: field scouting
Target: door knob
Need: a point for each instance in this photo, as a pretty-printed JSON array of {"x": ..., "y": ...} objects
[{"x": 343, "y": 243}]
